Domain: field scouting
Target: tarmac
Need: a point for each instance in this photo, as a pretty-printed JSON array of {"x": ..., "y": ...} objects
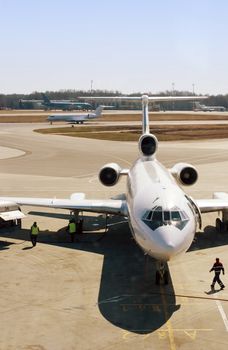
[{"x": 99, "y": 292}]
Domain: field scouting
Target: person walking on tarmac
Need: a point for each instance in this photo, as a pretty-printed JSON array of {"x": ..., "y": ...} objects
[
  {"x": 217, "y": 268},
  {"x": 34, "y": 233},
  {"x": 72, "y": 229}
]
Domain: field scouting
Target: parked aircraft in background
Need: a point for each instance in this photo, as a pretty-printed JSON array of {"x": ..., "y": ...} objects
[
  {"x": 65, "y": 105},
  {"x": 76, "y": 118},
  {"x": 162, "y": 217},
  {"x": 30, "y": 104},
  {"x": 199, "y": 107}
]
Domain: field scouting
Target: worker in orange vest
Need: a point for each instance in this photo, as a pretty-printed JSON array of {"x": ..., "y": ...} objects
[{"x": 217, "y": 268}]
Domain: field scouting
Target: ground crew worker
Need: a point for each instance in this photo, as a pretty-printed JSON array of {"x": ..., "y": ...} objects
[
  {"x": 34, "y": 233},
  {"x": 72, "y": 229},
  {"x": 217, "y": 268}
]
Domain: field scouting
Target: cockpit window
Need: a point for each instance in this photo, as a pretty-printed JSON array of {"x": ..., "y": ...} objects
[
  {"x": 167, "y": 215},
  {"x": 158, "y": 217},
  {"x": 175, "y": 216}
]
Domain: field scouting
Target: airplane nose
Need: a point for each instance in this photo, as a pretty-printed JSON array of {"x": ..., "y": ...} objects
[
  {"x": 169, "y": 247},
  {"x": 171, "y": 241}
]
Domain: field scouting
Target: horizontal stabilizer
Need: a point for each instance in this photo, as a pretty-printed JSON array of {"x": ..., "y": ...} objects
[{"x": 150, "y": 98}]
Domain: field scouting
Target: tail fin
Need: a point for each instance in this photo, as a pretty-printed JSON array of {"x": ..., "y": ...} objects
[
  {"x": 45, "y": 98},
  {"x": 145, "y": 115},
  {"x": 98, "y": 111},
  {"x": 145, "y": 100}
]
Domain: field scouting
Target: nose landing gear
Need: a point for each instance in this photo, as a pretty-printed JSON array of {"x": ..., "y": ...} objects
[{"x": 162, "y": 275}]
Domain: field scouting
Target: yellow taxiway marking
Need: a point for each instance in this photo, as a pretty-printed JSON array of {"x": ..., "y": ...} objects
[
  {"x": 163, "y": 333},
  {"x": 190, "y": 332},
  {"x": 168, "y": 322}
]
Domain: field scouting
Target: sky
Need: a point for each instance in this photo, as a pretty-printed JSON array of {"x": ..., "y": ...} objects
[{"x": 125, "y": 45}]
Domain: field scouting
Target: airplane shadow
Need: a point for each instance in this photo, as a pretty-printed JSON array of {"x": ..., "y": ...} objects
[
  {"x": 128, "y": 296},
  {"x": 209, "y": 238},
  {"x": 4, "y": 245}
]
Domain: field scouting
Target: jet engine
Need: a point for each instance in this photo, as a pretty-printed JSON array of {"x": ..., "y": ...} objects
[
  {"x": 148, "y": 145},
  {"x": 109, "y": 174},
  {"x": 185, "y": 173}
]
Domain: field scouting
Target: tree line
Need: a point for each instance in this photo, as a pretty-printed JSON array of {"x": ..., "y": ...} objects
[{"x": 12, "y": 101}]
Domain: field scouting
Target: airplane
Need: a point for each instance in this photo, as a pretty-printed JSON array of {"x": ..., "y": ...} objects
[
  {"x": 163, "y": 219},
  {"x": 30, "y": 104},
  {"x": 204, "y": 108},
  {"x": 64, "y": 104},
  {"x": 76, "y": 118}
]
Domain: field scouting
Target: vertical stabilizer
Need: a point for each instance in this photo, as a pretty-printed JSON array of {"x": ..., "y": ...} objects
[
  {"x": 45, "y": 98},
  {"x": 99, "y": 110},
  {"x": 145, "y": 115}
]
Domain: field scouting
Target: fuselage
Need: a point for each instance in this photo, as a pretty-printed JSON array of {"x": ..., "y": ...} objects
[
  {"x": 161, "y": 216},
  {"x": 66, "y": 105},
  {"x": 71, "y": 118}
]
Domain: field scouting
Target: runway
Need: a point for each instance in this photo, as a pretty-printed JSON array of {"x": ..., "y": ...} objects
[{"x": 99, "y": 293}]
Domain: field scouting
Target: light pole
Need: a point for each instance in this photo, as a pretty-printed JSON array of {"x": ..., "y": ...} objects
[
  {"x": 91, "y": 86},
  {"x": 193, "y": 92},
  {"x": 193, "y": 89},
  {"x": 173, "y": 87}
]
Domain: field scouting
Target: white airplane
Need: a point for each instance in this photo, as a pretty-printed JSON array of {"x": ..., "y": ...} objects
[
  {"x": 76, "y": 118},
  {"x": 162, "y": 217},
  {"x": 204, "y": 108}
]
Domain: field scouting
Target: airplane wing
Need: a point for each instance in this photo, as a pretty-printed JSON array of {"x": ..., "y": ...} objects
[
  {"x": 218, "y": 203},
  {"x": 150, "y": 98},
  {"x": 210, "y": 205},
  {"x": 108, "y": 206}
]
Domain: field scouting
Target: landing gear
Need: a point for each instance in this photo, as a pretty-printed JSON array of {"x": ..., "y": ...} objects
[
  {"x": 220, "y": 225},
  {"x": 162, "y": 275}
]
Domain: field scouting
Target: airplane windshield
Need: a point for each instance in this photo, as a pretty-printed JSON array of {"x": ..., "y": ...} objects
[{"x": 157, "y": 217}]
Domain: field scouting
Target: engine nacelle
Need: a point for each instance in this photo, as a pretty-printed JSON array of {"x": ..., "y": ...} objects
[
  {"x": 185, "y": 173},
  {"x": 109, "y": 174},
  {"x": 148, "y": 145}
]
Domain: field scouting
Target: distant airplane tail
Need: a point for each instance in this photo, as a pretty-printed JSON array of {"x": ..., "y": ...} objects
[
  {"x": 96, "y": 114},
  {"x": 197, "y": 104},
  {"x": 45, "y": 98},
  {"x": 98, "y": 111}
]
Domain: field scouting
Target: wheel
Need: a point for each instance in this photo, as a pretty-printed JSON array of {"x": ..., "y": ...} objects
[
  {"x": 218, "y": 225},
  {"x": 157, "y": 278}
]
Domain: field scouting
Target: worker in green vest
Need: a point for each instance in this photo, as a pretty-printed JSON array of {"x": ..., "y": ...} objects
[
  {"x": 72, "y": 229},
  {"x": 34, "y": 233}
]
